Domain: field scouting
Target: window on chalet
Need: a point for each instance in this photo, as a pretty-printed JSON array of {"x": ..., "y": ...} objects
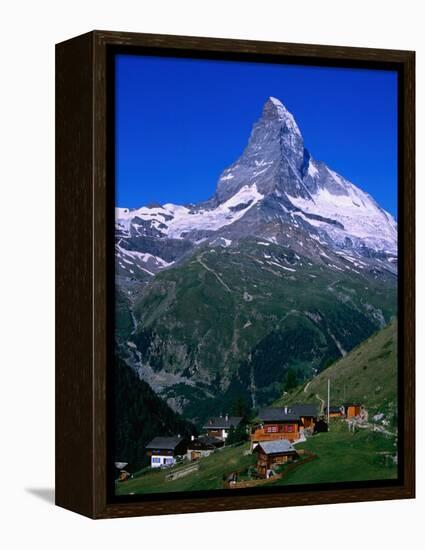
[
  {"x": 272, "y": 429},
  {"x": 156, "y": 459}
]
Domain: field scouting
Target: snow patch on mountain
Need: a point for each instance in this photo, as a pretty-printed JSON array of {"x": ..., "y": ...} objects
[
  {"x": 148, "y": 263},
  {"x": 312, "y": 170},
  {"x": 360, "y": 216},
  {"x": 174, "y": 221}
]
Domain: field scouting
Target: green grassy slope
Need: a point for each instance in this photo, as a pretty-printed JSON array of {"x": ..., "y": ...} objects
[
  {"x": 367, "y": 374},
  {"x": 344, "y": 456},
  {"x": 228, "y": 317},
  {"x": 209, "y": 476}
]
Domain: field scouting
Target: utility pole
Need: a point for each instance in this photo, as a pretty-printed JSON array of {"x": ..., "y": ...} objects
[{"x": 329, "y": 400}]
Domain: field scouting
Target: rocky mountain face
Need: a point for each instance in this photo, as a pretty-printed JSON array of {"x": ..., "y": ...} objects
[{"x": 287, "y": 266}]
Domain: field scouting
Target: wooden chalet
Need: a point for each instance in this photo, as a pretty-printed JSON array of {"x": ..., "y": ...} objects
[
  {"x": 276, "y": 423},
  {"x": 334, "y": 412},
  {"x": 202, "y": 446},
  {"x": 352, "y": 409},
  {"x": 163, "y": 451},
  {"x": 306, "y": 412},
  {"x": 272, "y": 453},
  {"x": 219, "y": 426}
]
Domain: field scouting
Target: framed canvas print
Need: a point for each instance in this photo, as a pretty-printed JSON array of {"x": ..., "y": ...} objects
[{"x": 235, "y": 274}]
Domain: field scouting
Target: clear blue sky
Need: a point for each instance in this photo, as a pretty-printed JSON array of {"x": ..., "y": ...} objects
[{"x": 180, "y": 122}]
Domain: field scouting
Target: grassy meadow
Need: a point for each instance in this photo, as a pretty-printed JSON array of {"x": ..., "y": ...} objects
[
  {"x": 345, "y": 456},
  {"x": 342, "y": 456}
]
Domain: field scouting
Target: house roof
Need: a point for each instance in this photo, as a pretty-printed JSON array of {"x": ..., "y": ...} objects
[
  {"x": 276, "y": 446},
  {"x": 222, "y": 422},
  {"x": 302, "y": 409},
  {"x": 204, "y": 442},
  {"x": 333, "y": 409},
  {"x": 277, "y": 414},
  {"x": 168, "y": 443},
  {"x": 215, "y": 441}
]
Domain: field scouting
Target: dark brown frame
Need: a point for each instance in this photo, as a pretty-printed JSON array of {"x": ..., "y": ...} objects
[{"x": 81, "y": 271}]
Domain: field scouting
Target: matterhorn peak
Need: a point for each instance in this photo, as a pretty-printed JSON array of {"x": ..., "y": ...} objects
[
  {"x": 274, "y": 109},
  {"x": 274, "y": 181},
  {"x": 274, "y": 105},
  {"x": 273, "y": 158}
]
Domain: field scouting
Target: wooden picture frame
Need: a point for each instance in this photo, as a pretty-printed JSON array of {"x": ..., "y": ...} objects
[{"x": 83, "y": 265}]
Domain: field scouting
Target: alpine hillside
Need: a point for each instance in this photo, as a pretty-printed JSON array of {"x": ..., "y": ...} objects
[
  {"x": 367, "y": 375},
  {"x": 285, "y": 269}
]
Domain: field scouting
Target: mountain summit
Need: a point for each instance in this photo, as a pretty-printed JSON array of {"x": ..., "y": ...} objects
[
  {"x": 274, "y": 109},
  {"x": 273, "y": 158},
  {"x": 277, "y": 178}
]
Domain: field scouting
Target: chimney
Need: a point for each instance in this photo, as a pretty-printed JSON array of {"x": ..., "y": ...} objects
[
  {"x": 285, "y": 410},
  {"x": 227, "y": 417},
  {"x": 192, "y": 438}
]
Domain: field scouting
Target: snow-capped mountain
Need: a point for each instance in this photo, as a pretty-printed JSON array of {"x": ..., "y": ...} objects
[
  {"x": 287, "y": 266},
  {"x": 274, "y": 187}
]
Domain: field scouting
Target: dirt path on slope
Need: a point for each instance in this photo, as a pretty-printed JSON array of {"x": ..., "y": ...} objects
[
  {"x": 322, "y": 403},
  {"x": 307, "y": 385},
  {"x": 219, "y": 279}
]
